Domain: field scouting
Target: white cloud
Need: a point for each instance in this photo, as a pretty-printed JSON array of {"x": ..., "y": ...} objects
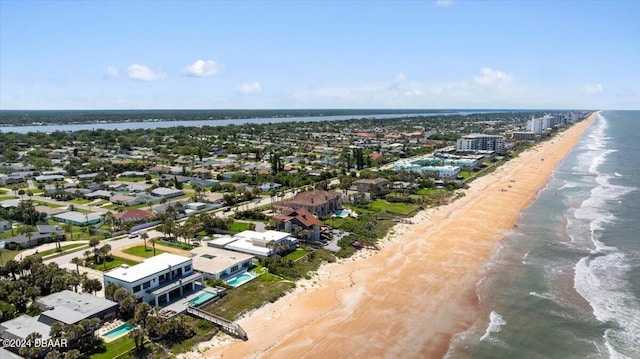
[
  {"x": 592, "y": 89},
  {"x": 444, "y": 2},
  {"x": 249, "y": 88},
  {"x": 144, "y": 73},
  {"x": 400, "y": 77},
  {"x": 202, "y": 68},
  {"x": 112, "y": 72},
  {"x": 490, "y": 89},
  {"x": 490, "y": 77}
]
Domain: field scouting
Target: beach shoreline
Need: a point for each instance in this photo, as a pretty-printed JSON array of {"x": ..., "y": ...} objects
[{"x": 414, "y": 295}]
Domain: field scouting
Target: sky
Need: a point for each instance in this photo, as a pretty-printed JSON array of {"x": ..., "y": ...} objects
[{"x": 319, "y": 54}]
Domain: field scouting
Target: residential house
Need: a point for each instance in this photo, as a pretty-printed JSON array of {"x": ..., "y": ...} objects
[
  {"x": 44, "y": 234},
  {"x": 167, "y": 192},
  {"x": 125, "y": 200},
  {"x": 373, "y": 186},
  {"x": 65, "y": 307},
  {"x": 320, "y": 203},
  {"x": 201, "y": 173},
  {"x": 157, "y": 280},
  {"x": 259, "y": 244},
  {"x": 217, "y": 263},
  {"x": 293, "y": 221},
  {"x": 134, "y": 215},
  {"x": 78, "y": 218}
]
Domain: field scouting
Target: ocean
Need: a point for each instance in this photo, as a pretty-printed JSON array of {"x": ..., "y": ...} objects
[{"x": 566, "y": 282}]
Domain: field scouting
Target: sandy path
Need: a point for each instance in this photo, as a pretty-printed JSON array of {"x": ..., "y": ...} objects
[{"x": 411, "y": 297}]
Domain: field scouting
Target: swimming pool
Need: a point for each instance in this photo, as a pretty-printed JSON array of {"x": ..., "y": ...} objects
[
  {"x": 240, "y": 279},
  {"x": 201, "y": 298},
  {"x": 118, "y": 331},
  {"x": 343, "y": 213}
]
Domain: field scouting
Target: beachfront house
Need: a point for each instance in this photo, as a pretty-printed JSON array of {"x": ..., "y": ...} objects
[
  {"x": 217, "y": 263},
  {"x": 157, "y": 280},
  {"x": 320, "y": 203},
  {"x": 259, "y": 244}
]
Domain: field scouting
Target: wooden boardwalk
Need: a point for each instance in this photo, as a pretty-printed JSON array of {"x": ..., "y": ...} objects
[{"x": 226, "y": 326}]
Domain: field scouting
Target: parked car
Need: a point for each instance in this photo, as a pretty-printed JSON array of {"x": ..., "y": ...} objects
[{"x": 133, "y": 235}]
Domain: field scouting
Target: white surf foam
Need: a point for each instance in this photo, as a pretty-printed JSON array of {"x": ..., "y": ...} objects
[{"x": 495, "y": 325}]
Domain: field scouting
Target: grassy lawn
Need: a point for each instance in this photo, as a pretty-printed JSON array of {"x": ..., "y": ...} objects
[
  {"x": 295, "y": 255},
  {"x": 139, "y": 251},
  {"x": 238, "y": 227},
  {"x": 397, "y": 208},
  {"x": 6, "y": 254},
  {"x": 174, "y": 245},
  {"x": 114, "y": 262},
  {"x": 131, "y": 179},
  {"x": 115, "y": 348},
  {"x": 4, "y": 198},
  {"x": 52, "y": 205},
  {"x": 425, "y": 191},
  {"x": 80, "y": 201},
  {"x": 64, "y": 248},
  {"x": 265, "y": 288}
]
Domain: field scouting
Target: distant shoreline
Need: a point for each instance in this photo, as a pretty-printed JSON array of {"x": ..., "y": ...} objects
[
  {"x": 18, "y": 118},
  {"x": 411, "y": 298}
]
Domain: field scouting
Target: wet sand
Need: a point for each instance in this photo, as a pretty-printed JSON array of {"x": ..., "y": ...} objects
[{"x": 410, "y": 298}]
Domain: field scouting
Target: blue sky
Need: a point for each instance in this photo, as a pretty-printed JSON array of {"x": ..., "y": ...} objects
[{"x": 319, "y": 54}]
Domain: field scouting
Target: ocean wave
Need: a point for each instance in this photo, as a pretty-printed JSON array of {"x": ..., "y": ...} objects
[
  {"x": 543, "y": 296},
  {"x": 495, "y": 325},
  {"x": 599, "y": 279},
  {"x": 617, "y": 174}
]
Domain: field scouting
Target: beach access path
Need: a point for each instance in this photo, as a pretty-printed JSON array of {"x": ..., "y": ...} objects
[{"x": 409, "y": 299}]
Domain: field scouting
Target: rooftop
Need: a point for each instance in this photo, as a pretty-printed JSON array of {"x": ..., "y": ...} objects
[
  {"x": 77, "y": 216},
  {"x": 24, "y": 325},
  {"x": 147, "y": 268},
  {"x": 70, "y": 307},
  {"x": 215, "y": 260}
]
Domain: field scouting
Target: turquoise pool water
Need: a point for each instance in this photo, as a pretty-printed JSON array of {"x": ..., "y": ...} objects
[
  {"x": 240, "y": 279},
  {"x": 201, "y": 298},
  {"x": 116, "y": 332},
  {"x": 343, "y": 213}
]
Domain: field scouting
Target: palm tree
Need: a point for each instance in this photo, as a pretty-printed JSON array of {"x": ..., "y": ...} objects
[
  {"x": 138, "y": 337},
  {"x": 153, "y": 243},
  {"x": 77, "y": 261},
  {"x": 144, "y": 237},
  {"x": 104, "y": 252},
  {"x": 94, "y": 242}
]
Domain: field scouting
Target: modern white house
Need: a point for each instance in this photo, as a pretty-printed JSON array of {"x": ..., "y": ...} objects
[
  {"x": 217, "y": 263},
  {"x": 157, "y": 280},
  {"x": 260, "y": 244}
]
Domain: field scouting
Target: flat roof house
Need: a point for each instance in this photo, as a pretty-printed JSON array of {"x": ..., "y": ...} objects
[
  {"x": 78, "y": 218},
  {"x": 157, "y": 280},
  {"x": 260, "y": 244},
  {"x": 125, "y": 200},
  {"x": 167, "y": 192},
  {"x": 65, "y": 307},
  {"x": 69, "y": 307},
  {"x": 217, "y": 263}
]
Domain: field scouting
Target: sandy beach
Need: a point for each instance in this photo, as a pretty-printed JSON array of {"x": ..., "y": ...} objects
[{"x": 410, "y": 298}]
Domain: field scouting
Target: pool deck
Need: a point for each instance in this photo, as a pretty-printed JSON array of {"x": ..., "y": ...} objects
[
  {"x": 108, "y": 326},
  {"x": 180, "y": 305}
]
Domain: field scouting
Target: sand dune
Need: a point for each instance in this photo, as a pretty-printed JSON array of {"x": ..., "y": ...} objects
[{"x": 410, "y": 298}]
